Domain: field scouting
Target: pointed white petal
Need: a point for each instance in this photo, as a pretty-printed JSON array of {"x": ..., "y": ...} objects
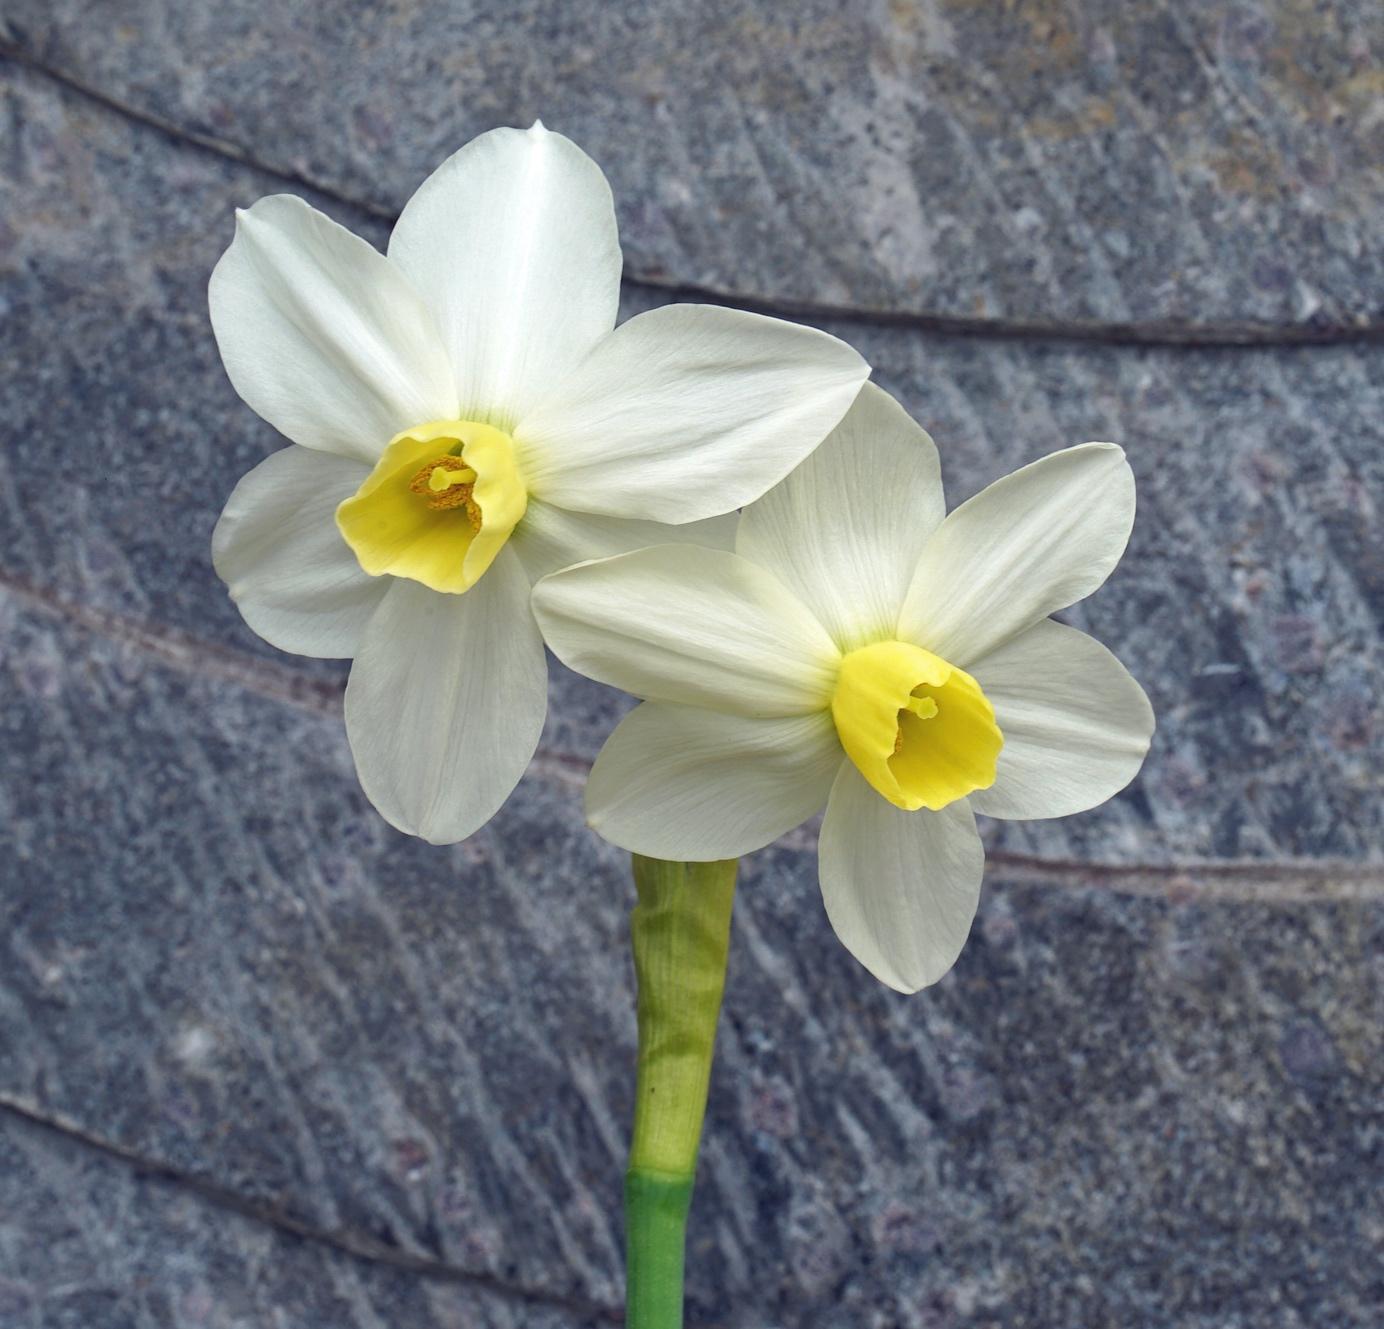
[
  {"x": 290, "y": 573},
  {"x": 551, "y": 538},
  {"x": 1028, "y": 545},
  {"x": 512, "y": 241},
  {"x": 446, "y": 702},
  {"x": 693, "y": 626},
  {"x": 322, "y": 336},
  {"x": 691, "y": 785},
  {"x": 901, "y": 888},
  {"x": 1076, "y": 725},
  {"x": 686, "y": 412},
  {"x": 845, "y": 530}
]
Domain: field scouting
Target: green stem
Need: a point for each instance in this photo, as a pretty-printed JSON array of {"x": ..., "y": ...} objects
[{"x": 680, "y": 932}]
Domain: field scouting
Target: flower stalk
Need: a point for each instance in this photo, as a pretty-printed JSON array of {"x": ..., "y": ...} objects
[{"x": 680, "y": 934}]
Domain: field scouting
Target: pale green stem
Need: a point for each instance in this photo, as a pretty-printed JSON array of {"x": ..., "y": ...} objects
[{"x": 680, "y": 932}]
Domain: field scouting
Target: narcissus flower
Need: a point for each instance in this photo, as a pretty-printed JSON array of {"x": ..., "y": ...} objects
[
  {"x": 861, "y": 651},
  {"x": 466, "y": 417}
]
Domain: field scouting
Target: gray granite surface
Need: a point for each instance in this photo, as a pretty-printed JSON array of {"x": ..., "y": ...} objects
[
  {"x": 1030, "y": 159},
  {"x": 88, "y": 1241},
  {"x": 302, "y": 1071}
]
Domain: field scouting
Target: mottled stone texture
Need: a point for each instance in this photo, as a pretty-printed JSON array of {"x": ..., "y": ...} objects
[
  {"x": 1036, "y": 159},
  {"x": 1151, "y": 1092},
  {"x": 88, "y": 1243}
]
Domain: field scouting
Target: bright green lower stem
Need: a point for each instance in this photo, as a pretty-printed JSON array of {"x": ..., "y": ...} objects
[
  {"x": 655, "y": 1234},
  {"x": 680, "y": 933}
]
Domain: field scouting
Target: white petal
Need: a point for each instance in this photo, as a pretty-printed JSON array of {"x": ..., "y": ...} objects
[
  {"x": 277, "y": 548},
  {"x": 1028, "y": 545},
  {"x": 697, "y": 627},
  {"x": 446, "y": 701},
  {"x": 691, "y": 785},
  {"x": 512, "y": 241},
  {"x": 550, "y": 538},
  {"x": 901, "y": 888},
  {"x": 845, "y": 530},
  {"x": 685, "y": 412},
  {"x": 322, "y": 336},
  {"x": 1076, "y": 726}
]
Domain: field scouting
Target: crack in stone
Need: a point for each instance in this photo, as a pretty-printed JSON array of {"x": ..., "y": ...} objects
[
  {"x": 345, "y": 1241},
  {"x": 1239, "y": 881},
  {"x": 1246, "y": 881},
  {"x": 1232, "y": 334},
  {"x": 184, "y": 651}
]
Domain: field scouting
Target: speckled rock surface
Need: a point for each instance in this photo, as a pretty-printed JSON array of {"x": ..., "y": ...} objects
[
  {"x": 1042, "y": 159},
  {"x": 88, "y": 1241},
  {"x": 387, "y": 1084}
]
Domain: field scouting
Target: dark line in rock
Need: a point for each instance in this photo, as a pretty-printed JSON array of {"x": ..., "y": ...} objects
[
  {"x": 1248, "y": 881},
  {"x": 208, "y": 143},
  {"x": 1165, "y": 334},
  {"x": 185, "y": 651},
  {"x": 344, "y": 1241},
  {"x": 1160, "y": 335},
  {"x": 1189, "y": 881},
  {"x": 1241, "y": 881}
]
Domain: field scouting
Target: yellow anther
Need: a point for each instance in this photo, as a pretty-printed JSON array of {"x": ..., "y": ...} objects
[
  {"x": 923, "y": 707},
  {"x": 447, "y": 482},
  {"x": 442, "y": 478}
]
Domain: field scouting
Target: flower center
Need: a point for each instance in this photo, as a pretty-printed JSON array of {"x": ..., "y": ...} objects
[
  {"x": 448, "y": 482},
  {"x": 918, "y": 729},
  {"x": 439, "y": 505}
]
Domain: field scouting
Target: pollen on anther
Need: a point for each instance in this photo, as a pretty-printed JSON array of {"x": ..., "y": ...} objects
[{"x": 448, "y": 482}]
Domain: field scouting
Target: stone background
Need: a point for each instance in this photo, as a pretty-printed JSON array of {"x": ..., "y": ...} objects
[{"x": 264, "y": 1062}]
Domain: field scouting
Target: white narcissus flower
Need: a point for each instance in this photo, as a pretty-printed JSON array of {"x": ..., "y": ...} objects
[
  {"x": 465, "y": 418},
  {"x": 860, "y": 650}
]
